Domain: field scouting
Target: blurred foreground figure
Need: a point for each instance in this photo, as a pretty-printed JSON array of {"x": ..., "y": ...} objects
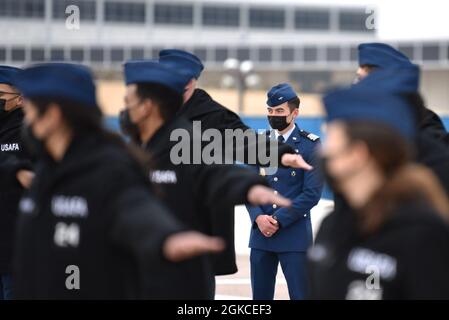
[
  {"x": 403, "y": 80},
  {"x": 381, "y": 56},
  {"x": 15, "y": 163},
  {"x": 391, "y": 239},
  {"x": 88, "y": 226}
]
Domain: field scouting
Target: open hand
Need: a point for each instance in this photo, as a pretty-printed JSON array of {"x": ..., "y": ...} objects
[
  {"x": 260, "y": 195},
  {"x": 25, "y": 177},
  {"x": 184, "y": 245},
  {"x": 295, "y": 161}
]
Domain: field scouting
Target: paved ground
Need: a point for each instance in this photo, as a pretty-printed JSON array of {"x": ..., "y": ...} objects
[{"x": 238, "y": 286}]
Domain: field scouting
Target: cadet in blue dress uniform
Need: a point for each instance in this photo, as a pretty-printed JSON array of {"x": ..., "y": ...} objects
[{"x": 284, "y": 234}]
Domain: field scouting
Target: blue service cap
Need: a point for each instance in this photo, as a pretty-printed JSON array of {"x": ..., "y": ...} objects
[
  {"x": 151, "y": 71},
  {"x": 73, "y": 82},
  {"x": 279, "y": 94},
  {"x": 402, "y": 79},
  {"x": 183, "y": 61},
  {"x": 381, "y": 55},
  {"x": 371, "y": 104},
  {"x": 8, "y": 73}
]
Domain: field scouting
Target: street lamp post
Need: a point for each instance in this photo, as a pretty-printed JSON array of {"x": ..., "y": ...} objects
[{"x": 242, "y": 77}]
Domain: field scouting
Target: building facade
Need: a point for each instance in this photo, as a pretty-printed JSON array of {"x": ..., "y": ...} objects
[{"x": 313, "y": 46}]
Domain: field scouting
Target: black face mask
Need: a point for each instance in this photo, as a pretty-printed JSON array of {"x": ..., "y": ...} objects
[
  {"x": 3, "y": 112},
  {"x": 128, "y": 127},
  {"x": 34, "y": 145},
  {"x": 278, "y": 122}
]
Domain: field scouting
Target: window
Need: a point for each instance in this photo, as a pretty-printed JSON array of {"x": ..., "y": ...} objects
[
  {"x": 18, "y": 54},
  {"x": 407, "y": 50},
  {"x": 37, "y": 54},
  {"x": 431, "y": 52},
  {"x": 137, "y": 53},
  {"x": 2, "y": 54},
  {"x": 221, "y": 54},
  {"x": 22, "y": 8},
  {"x": 311, "y": 81},
  {"x": 265, "y": 54},
  {"x": 201, "y": 53},
  {"x": 87, "y": 8},
  {"x": 221, "y": 16},
  {"x": 310, "y": 54},
  {"x": 173, "y": 14},
  {"x": 333, "y": 54},
  {"x": 354, "y": 54},
  {"x": 266, "y": 18},
  {"x": 243, "y": 54},
  {"x": 131, "y": 12},
  {"x": 287, "y": 54},
  {"x": 57, "y": 54},
  {"x": 155, "y": 53},
  {"x": 354, "y": 21},
  {"x": 77, "y": 54},
  {"x": 96, "y": 54},
  {"x": 306, "y": 19},
  {"x": 117, "y": 55}
]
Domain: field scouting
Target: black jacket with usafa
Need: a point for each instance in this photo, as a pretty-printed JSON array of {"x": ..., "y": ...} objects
[
  {"x": 190, "y": 191},
  {"x": 406, "y": 258},
  {"x": 90, "y": 213},
  {"x": 13, "y": 157}
]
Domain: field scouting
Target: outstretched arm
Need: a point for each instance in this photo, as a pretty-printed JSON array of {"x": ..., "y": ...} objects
[{"x": 147, "y": 229}]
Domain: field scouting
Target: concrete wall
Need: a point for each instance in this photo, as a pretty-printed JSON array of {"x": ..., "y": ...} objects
[
  {"x": 435, "y": 89},
  {"x": 111, "y": 93}
]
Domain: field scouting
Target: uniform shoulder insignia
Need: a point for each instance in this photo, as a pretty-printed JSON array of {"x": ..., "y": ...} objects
[
  {"x": 308, "y": 135},
  {"x": 313, "y": 137}
]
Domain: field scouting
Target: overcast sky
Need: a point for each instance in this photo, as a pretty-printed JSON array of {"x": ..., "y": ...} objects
[
  {"x": 402, "y": 19},
  {"x": 397, "y": 20}
]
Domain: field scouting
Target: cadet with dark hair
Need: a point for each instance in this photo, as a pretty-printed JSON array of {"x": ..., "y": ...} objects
[
  {"x": 391, "y": 239},
  {"x": 283, "y": 235},
  {"x": 153, "y": 96},
  {"x": 198, "y": 105},
  {"x": 88, "y": 228}
]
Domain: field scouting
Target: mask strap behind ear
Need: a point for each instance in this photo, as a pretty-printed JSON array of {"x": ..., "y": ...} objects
[
  {"x": 291, "y": 114},
  {"x": 10, "y": 99},
  {"x": 7, "y": 100}
]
